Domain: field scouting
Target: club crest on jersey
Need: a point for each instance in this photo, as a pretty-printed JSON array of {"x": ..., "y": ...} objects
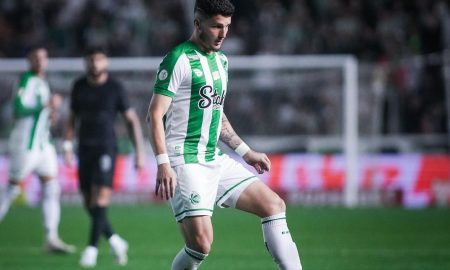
[
  {"x": 210, "y": 97},
  {"x": 194, "y": 198}
]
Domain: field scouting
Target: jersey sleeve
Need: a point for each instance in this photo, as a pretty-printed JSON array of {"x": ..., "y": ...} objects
[
  {"x": 22, "y": 108},
  {"x": 172, "y": 71}
]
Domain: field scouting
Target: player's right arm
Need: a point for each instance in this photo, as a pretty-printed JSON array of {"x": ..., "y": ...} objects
[{"x": 165, "y": 178}]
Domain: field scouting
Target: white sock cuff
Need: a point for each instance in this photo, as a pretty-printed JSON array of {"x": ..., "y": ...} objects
[
  {"x": 51, "y": 187},
  {"x": 274, "y": 219},
  {"x": 195, "y": 254}
]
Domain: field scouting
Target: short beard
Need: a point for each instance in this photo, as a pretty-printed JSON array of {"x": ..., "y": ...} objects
[
  {"x": 94, "y": 74},
  {"x": 201, "y": 37}
]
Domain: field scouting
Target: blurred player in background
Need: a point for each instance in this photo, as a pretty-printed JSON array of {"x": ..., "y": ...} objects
[
  {"x": 30, "y": 147},
  {"x": 193, "y": 173},
  {"x": 96, "y": 98}
]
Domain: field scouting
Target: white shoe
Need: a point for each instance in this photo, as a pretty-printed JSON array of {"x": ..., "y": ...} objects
[
  {"x": 9, "y": 196},
  {"x": 119, "y": 249},
  {"x": 89, "y": 257},
  {"x": 56, "y": 245}
]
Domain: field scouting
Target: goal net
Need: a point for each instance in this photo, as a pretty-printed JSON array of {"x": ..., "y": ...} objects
[{"x": 282, "y": 105}]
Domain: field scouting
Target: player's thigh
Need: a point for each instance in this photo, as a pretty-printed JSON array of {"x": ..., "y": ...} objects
[
  {"x": 260, "y": 200},
  {"x": 96, "y": 167},
  {"x": 234, "y": 179},
  {"x": 22, "y": 163},
  {"x": 86, "y": 168},
  {"x": 196, "y": 190},
  {"x": 47, "y": 166}
]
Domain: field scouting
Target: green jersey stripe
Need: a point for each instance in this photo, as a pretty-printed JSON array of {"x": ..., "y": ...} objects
[
  {"x": 206, "y": 104},
  {"x": 216, "y": 112},
  {"x": 32, "y": 140},
  {"x": 195, "y": 118}
]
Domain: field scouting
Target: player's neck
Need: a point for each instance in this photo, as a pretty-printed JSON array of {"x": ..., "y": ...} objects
[
  {"x": 39, "y": 73},
  {"x": 197, "y": 41}
]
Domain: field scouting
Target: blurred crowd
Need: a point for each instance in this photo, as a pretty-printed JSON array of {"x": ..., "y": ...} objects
[
  {"x": 372, "y": 30},
  {"x": 387, "y": 36}
]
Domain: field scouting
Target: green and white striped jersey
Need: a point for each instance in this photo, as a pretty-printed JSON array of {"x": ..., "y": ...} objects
[
  {"x": 197, "y": 83},
  {"x": 31, "y": 126}
]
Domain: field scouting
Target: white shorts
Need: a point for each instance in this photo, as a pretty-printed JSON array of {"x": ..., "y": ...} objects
[
  {"x": 43, "y": 162},
  {"x": 201, "y": 186}
]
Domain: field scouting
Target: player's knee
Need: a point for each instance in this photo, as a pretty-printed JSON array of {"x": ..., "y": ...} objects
[
  {"x": 103, "y": 201},
  {"x": 274, "y": 206},
  {"x": 202, "y": 244},
  {"x": 51, "y": 189}
]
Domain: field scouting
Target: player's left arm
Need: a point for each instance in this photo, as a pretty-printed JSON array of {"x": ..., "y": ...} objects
[
  {"x": 258, "y": 160},
  {"x": 69, "y": 134},
  {"x": 135, "y": 132}
]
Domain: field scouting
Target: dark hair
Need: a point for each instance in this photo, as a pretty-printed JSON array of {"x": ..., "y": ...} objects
[
  {"x": 211, "y": 8},
  {"x": 94, "y": 50}
]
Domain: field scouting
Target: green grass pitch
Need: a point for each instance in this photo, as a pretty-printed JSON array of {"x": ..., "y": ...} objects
[{"x": 328, "y": 238}]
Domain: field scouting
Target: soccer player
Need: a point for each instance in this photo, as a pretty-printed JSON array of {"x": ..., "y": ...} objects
[
  {"x": 31, "y": 150},
  {"x": 186, "y": 120},
  {"x": 96, "y": 99}
]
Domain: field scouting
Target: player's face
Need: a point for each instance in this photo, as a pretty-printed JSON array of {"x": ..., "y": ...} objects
[
  {"x": 213, "y": 31},
  {"x": 97, "y": 64},
  {"x": 38, "y": 60}
]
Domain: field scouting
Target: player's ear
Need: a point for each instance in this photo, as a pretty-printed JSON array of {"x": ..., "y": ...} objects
[{"x": 197, "y": 24}]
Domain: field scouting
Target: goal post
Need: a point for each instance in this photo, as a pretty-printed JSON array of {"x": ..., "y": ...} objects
[{"x": 347, "y": 64}]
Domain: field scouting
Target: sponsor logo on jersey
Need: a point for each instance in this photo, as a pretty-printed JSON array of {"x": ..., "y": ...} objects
[
  {"x": 210, "y": 97},
  {"x": 162, "y": 75},
  {"x": 194, "y": 198},
  {"x": 198, "y": 72}
]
